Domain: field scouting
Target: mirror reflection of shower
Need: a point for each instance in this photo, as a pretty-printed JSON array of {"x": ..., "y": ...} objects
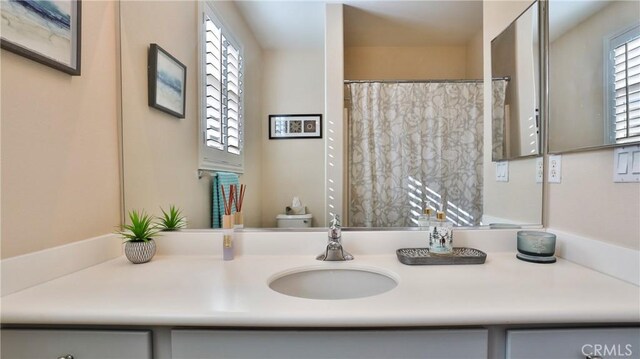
[{"x": 410, "y": 142}]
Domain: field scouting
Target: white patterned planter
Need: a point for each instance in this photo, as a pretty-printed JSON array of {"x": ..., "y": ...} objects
[{"x": 140, "y": 252}]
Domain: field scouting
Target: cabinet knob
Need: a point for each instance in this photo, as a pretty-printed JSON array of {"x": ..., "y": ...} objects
[{"x": 68, "y": 356}]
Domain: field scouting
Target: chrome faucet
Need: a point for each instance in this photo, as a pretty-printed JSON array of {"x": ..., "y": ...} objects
[{"x": 334, "y": 250}]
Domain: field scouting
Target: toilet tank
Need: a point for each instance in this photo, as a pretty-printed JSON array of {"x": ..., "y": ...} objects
[{"x": 294, "y": 221}]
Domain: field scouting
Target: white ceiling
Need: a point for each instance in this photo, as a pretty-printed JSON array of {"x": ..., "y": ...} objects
[
  {"x": 300, "y": 24},
  {"x": 285, "y": 24},
  {"x": 564, "y": 15}
]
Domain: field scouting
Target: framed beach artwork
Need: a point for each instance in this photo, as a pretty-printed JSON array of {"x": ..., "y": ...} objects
[
  {"x": 167, "y": 82},
  {"x": 295, "y": 126},
  {"x": 46, "y": 31}
]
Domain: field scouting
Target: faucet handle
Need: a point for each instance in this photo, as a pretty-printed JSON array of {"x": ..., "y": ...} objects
[
  {"x": 334, "y": 227},
  {"x": 335, "y": 221}
]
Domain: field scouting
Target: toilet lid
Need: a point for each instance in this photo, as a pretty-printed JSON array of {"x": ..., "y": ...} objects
[{"x": 294, "y": 216}]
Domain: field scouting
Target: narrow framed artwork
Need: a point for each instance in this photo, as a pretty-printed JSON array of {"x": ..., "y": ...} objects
[
  {"x": 46, "y": 31},
  {"x": 167, "y": 82},
  {"x": 295, "y": 126}
]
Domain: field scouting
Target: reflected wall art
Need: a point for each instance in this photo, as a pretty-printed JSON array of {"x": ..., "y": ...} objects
[
  {"x": 167, "y": 82},
  {"x": 44, "y": 31}
]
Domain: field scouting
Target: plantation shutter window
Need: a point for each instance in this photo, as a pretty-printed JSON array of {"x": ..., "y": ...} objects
[
  {"x": 221, "y": 97},
  {"x": 625, "y": 56}
]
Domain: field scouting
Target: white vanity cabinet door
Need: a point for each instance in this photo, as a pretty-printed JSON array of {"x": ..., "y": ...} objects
[
  {"x": 573, "y": 343},
  {"x": 80, "y": 344},
  {"x": 369, "y": 344}
]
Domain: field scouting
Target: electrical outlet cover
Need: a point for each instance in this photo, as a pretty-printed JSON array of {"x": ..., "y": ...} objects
[
  {"x": 539, "y": 170},
  {"x": 555, "y": 169}
]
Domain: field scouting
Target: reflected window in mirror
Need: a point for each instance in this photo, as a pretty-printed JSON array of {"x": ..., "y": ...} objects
[
  {"x": 594, "y": 74},
  {"x": 623, "y": 79},
  {"x": 221, "y": 96}
]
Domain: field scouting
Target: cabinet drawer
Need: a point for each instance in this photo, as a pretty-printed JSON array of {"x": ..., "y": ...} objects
[
  {"x": 573, "y": 343},
  {"x": 450, "y": 344},
  {"x": 81, "y": 344}
]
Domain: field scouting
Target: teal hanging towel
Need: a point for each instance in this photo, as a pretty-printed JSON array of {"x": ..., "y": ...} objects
[{"x": 225, "y": 179}]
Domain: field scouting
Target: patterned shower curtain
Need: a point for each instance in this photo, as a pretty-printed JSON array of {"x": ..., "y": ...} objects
[
  {"x": 415, "y": 142},
  {"x": 499, "y": 113}
]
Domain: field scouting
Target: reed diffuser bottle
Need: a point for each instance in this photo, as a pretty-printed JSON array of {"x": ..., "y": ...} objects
[
  {"x": 227, "y": 237},
  {"x": 227, "y": 224},
  {"x": 441, "y": 235}
]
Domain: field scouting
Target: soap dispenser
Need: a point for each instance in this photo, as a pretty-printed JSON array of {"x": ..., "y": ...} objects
[
  {"x": 424, "y": 218},
  {"x": 441, "y": 235}
]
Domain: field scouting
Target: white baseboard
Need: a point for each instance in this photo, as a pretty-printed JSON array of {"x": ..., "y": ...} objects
[
  {"x": 616, "y": 261},
  {"x": 31, "y": 269}
]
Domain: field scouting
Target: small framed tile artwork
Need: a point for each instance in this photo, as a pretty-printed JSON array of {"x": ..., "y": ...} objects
[{"x": 295, "y": 126}]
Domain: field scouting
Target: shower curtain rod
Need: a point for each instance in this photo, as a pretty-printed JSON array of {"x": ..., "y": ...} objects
[{"x": 506, "y": 78}]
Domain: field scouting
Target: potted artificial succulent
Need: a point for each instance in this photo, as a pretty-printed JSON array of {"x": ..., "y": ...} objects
[
  {"x": 171, "y": 220},
  {"x": 138, "y": 237}
]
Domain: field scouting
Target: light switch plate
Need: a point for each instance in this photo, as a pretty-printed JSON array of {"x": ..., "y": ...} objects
[
  {"x": 626, "y": 164},
  {"x": 502, "y": 171},
  {"x": 555, "y": 169},
  {"x": 635, "y": 162}
]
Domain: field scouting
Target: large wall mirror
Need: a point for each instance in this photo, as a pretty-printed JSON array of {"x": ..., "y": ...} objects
[
  {"x": 283, "y": 47},
  {"x": 594, "y": 74},
  {"x": 515, "y": 70}
]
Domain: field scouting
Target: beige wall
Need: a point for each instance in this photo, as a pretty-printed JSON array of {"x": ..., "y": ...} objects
[
  {"x": 293, "y": 84},
  {"x": 520, "y": 199},
  {"x": 474, "y": 59},
  {"x": 161, "y": 151},
  {"x": 60, "y": 171},
  {"x": 405, "y": 63},
  {"x": 588, "y": 203},
  {"x": 410, "y": 63},
  {"x": 582, "y": 82}
]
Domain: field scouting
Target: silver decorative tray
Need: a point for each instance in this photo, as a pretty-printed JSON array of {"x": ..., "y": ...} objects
[{"x": 422, "y": 256}]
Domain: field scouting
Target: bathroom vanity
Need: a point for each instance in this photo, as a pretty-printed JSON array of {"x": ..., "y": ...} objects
[{"x": 189, "y": 303}]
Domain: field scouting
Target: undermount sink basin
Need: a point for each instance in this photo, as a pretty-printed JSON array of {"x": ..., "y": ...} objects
[{"x": 332, "y": 283}]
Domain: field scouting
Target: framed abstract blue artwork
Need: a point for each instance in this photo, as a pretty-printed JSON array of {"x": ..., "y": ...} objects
[
  {"x": 45, "y": 31},
  {"x": 167, "y": 82}
]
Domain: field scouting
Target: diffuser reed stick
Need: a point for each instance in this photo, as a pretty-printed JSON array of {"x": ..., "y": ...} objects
[
  {"x": 239, "y": 198},
  {"x": 228, "y": 205}
]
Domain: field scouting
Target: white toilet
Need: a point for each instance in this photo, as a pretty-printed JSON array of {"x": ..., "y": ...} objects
[{"x": 294, "y": 220}]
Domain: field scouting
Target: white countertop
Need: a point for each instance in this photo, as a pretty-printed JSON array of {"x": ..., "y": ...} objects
[{"x": 203, "y": 290}]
